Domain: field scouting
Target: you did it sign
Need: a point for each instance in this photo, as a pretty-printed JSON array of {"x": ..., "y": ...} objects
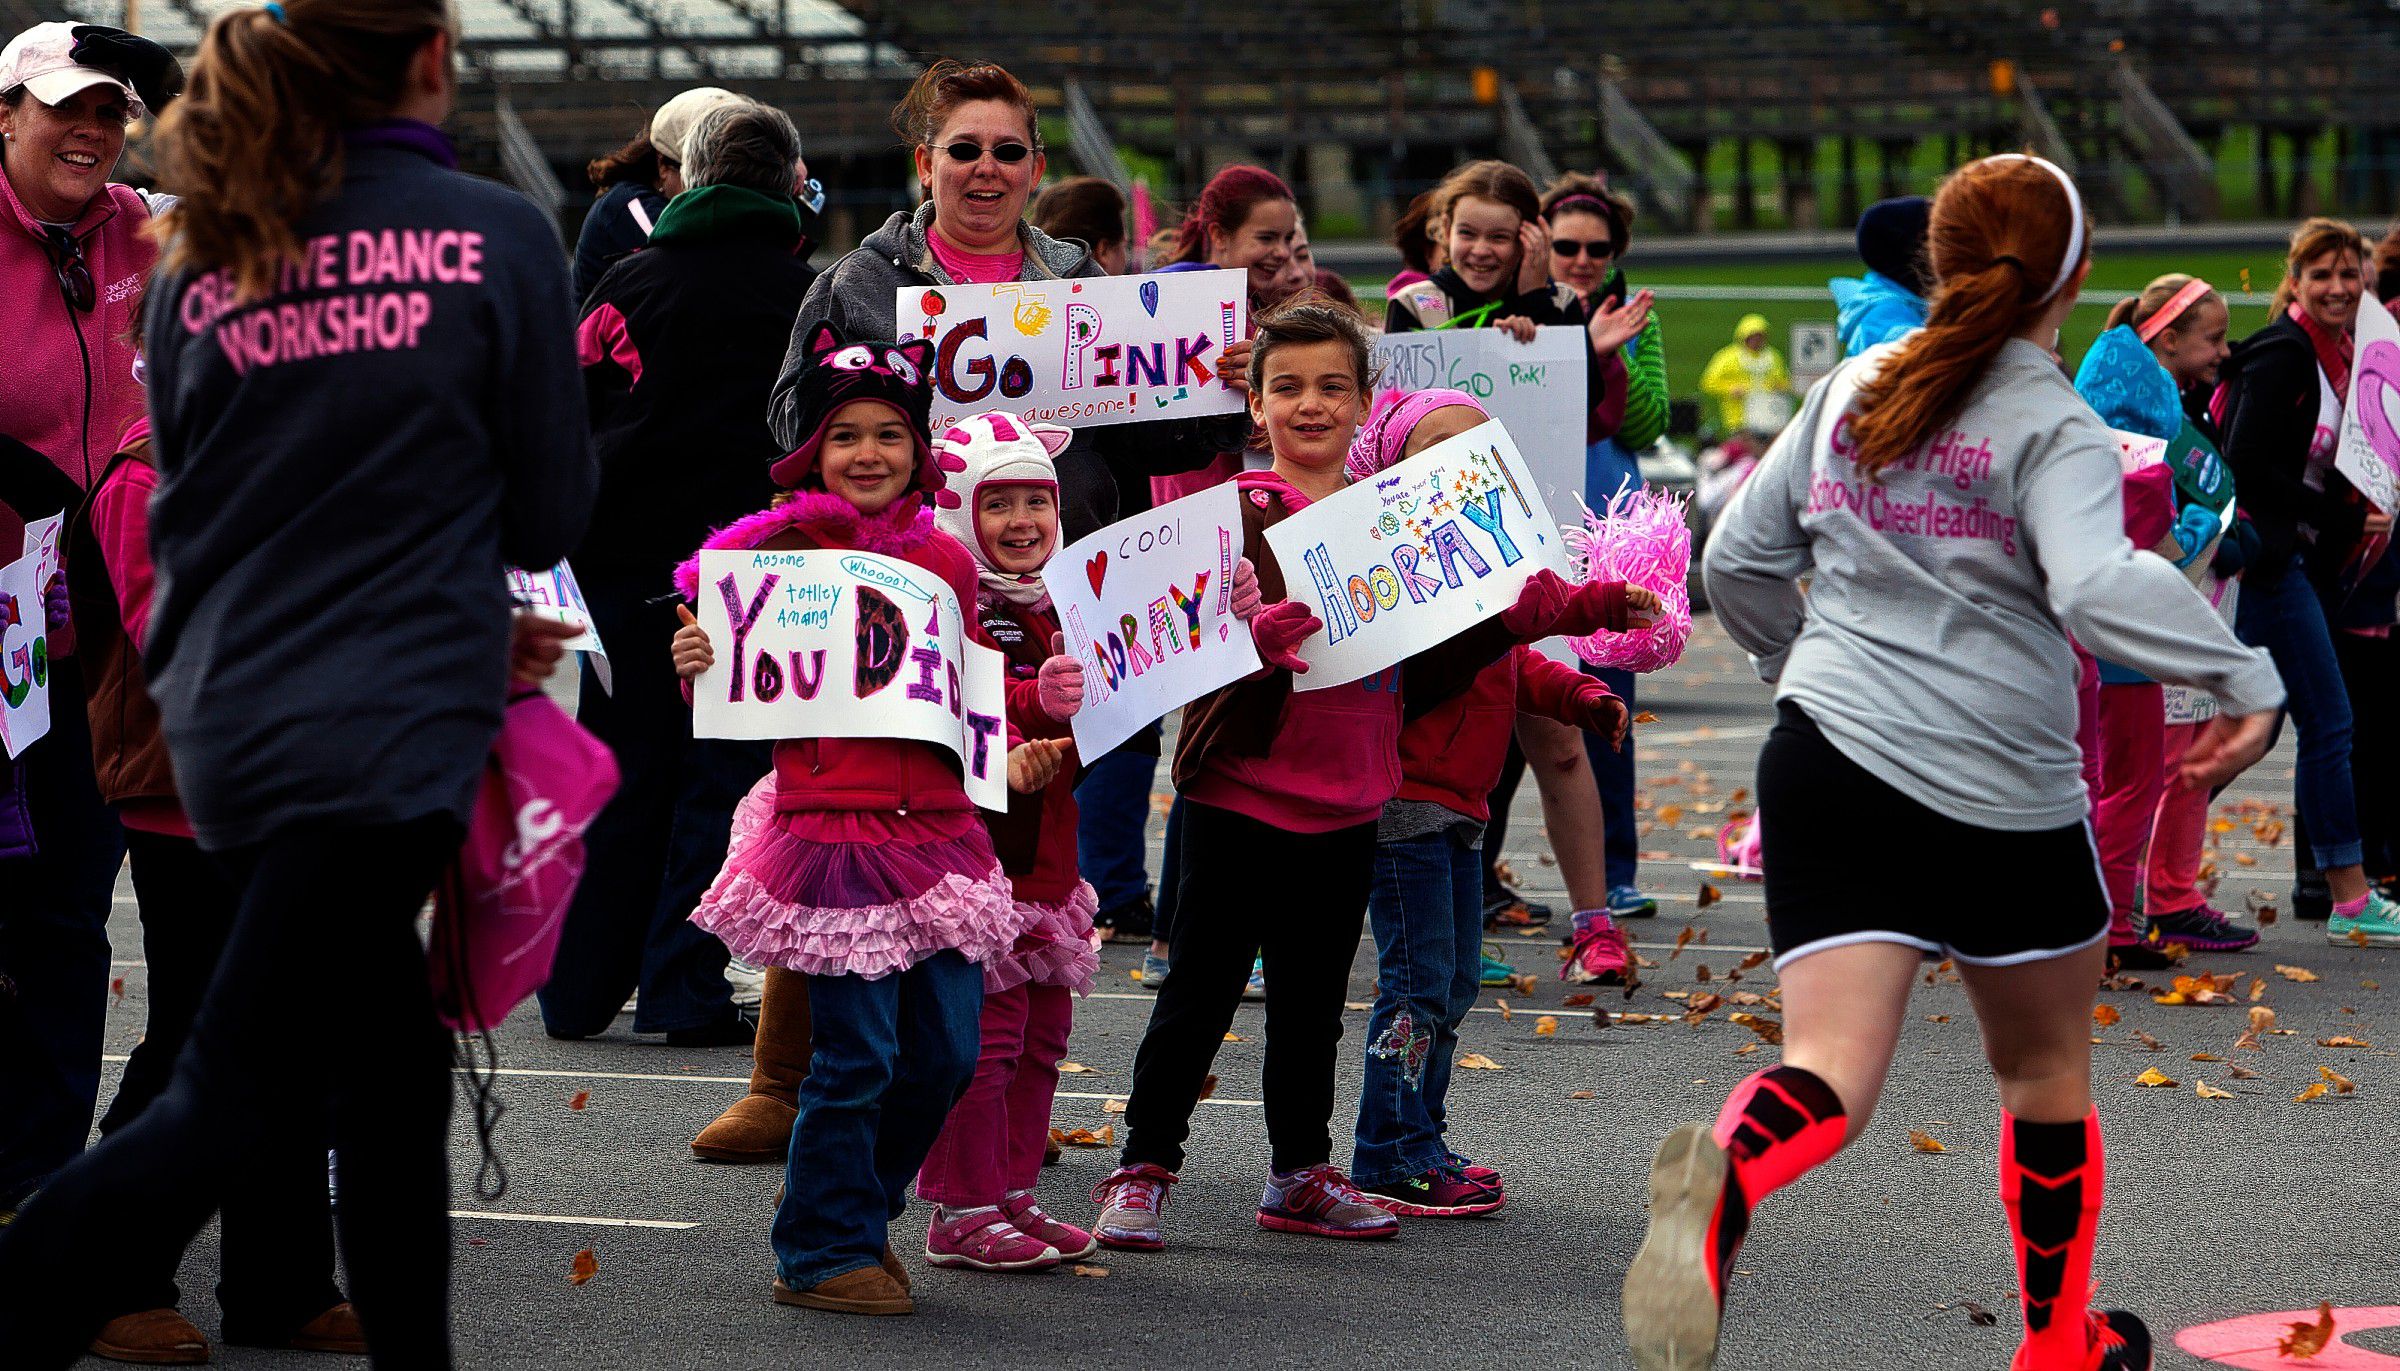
[
  {"x": 1415, "y": 555},
  {"x": 840, "y": 644}
]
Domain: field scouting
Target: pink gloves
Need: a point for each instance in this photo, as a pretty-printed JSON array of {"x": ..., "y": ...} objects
[
  {"x": 1060, "y": 684},
  {"x": 1593, "y": 708},
  {"x": 1279, "y": 629},
  {"x": 1549, "y": 605},
  {"x": 1247, "y": 600}
]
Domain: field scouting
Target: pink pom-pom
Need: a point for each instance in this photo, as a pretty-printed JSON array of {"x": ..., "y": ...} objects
[{"x": 1640, "y": 539}]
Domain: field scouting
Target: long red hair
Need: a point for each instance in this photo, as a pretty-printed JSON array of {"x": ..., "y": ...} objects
[{"x": 2000, "y": 228}]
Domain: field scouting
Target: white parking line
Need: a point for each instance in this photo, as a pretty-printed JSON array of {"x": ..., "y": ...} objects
[{"x": 577, "y": 1219}]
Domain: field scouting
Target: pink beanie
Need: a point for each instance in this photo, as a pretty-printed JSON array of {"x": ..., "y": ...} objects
[{"x": 1384, "y": 436}]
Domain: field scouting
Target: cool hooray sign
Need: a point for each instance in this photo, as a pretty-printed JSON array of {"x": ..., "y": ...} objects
[
  {"x": 1147, "y": 606},
  {"x": 1536, "y": 389},
  {"x": 842, "y": 644},
  {"x": 1416, "y": 554},
  {"x": 554, "y": 595},
  {"x": 1097, "y": 350}
]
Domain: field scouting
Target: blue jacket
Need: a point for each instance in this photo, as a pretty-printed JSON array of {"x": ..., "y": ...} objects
[{"x": 1873, "y": 309}]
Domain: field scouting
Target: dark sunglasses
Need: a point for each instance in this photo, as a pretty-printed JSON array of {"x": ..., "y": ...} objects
[
  {"x": 1569, "y": 247},
  {"x": 1006, "y": 154},
  {"x": 74, "y": 275}
]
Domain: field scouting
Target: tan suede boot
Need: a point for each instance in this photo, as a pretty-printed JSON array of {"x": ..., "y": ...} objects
[
  {"x": 758, "y": 1128},
  {"x": 152, "y": 1337}
]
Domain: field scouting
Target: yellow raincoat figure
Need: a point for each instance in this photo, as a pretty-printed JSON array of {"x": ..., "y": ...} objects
[{"x": 1745, "y": 367}]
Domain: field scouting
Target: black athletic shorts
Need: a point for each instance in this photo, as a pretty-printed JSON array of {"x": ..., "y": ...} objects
[{"x": 1850, "y": 859}]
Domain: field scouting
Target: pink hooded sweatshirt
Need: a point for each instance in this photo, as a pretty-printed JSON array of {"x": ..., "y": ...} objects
[{"x": 71, "y": 388}]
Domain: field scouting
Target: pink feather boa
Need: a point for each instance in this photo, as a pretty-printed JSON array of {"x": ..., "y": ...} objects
[
  {"x": 898, "y": 531},
  {"x": 1639, "y": 538}
]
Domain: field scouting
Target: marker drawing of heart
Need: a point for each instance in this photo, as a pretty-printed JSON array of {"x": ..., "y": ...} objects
[
  {"x": 1150, "y": 297},
  {"x": 1096, "y": 568}
]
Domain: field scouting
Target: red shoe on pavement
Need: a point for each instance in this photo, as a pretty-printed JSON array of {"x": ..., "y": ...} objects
[{"x": 1600, "y": 955}]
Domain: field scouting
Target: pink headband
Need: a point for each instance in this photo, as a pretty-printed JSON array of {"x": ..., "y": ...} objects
[
  {"x": 2176, "y": 304},
  {"x": 1384, "y": 436}
]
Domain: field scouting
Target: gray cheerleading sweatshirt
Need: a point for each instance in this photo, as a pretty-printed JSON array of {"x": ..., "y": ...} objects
[{"x": 1931, "y": 645}]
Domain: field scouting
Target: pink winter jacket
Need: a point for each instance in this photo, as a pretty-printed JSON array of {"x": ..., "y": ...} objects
[{"x": 71, "y": 388}]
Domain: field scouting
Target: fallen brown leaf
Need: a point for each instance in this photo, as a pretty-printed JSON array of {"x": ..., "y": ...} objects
[
  {"x": 1084, "y": 1137},
  {"x": 2314, "y": 1092},
  {"x": 1525, "y": 983},
  {"x": 1112, "y": 1106},
  {"x": 2147, "y": 1041},
  {"x": 1583, "y": 1095},
  {"x": 1704, "y": 1004},
  {"x": 1702, "y": 974},
  {"x": 2343, "y": 1040},
  {"x": 2155, "y": 1078},
  {"x": 1096, "y": 1273},
  {"x": 1546, "y": 1026},
  {"x": 1670, "y": 814},
  {"x": 1576, "y": 1001},
  {"x": 1754, "y": 961},
  {"x": 1645, "y": 717},
  {"x": 2209, "y": 1092},
  {"x": 582, "y": 1098},
  {"x": 2206, "y": 1057},
  {"x": 1507, "y": 1014},
  {"x": 2358, "y": 937},
  {"x": 2258, "y": 989},
  {"x": 2261, "y": 1018},
  {"x": 1476, "y": 1061},
  {"x": 1075, "y": 1069},
  {"x": 586, "y": 1266},
  {"x": 1709, "y": 895},
  {"x": 2106, "y": 1015},
  {"x": 2295, "y": 973},
  {"x": 117, "y": 987},
  {"x": 1682, "y": 941},
  {"x": 1767, "y": 1029},
  {"x": 2308, "y": 1339},
  {"x": 2240, "y": 1072},
  {"x": 1235, "y": 1038},
  {"x": 1924, "y": 1141},
  {"x": 1208, "y": 1085},
  {"x": 2341, "y": 1084}
]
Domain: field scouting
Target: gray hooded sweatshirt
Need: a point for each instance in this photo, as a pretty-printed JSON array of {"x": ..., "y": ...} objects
[
  {"x": 1931, "y": 646},
  {"x": 1104, "y": 474}
]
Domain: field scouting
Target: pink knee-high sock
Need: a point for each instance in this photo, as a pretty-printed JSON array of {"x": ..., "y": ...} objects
[
  {"x": 1777, "y": 1125},
  {"x": 2050, "y": 1182}
]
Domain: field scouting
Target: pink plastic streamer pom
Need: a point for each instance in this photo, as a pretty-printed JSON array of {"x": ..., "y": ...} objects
[{"x": 1640, "y": 539}]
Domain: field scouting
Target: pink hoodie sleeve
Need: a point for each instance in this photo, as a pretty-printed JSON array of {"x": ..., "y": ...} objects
[{"x": 121, "y": 523}]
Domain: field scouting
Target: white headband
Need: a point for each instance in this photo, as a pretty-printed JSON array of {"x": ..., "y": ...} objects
[{"x": 2066, "y": 267}]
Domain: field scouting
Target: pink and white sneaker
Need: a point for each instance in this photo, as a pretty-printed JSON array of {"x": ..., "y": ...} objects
[
  {"x": 984, "y": 1240},
  {"x": 1600, "y": 955},
  {"x": 1073, "y": 1244},
  {"x": 1320, "y": 1201}
]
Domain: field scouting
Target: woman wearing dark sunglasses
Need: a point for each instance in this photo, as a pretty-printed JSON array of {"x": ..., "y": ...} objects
[
  {"x": 977, "y": 149},
  {"x": 72, "y": 262}
]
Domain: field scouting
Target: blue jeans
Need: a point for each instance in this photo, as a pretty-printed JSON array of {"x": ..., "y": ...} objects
[
  {"x": 1113, "y": 803},
  {"x": 2285, "y": 617},
  {"x": 54, "y": 906},
  {"x": 891, "y": 1056},
  {"x": 1427, "y": 911},
  {"x": 1620, "y": 842}
]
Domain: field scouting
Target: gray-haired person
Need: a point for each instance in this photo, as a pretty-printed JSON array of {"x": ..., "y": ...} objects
[{"x": 680, "y": 343}]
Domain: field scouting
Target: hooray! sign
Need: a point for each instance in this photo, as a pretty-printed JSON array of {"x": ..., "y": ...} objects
[
  {"x": 1416, "y": 555},
  {"x": 1146, "y": 605},
  {"x": 1096, "y": 350},
  {"x": 841, "y": 644}
]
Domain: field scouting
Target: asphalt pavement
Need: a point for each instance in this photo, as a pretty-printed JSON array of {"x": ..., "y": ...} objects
[{"x": 2218, "y": 1207}]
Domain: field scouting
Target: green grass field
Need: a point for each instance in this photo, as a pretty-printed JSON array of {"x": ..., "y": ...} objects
[{"x": 1695, "y": 329}]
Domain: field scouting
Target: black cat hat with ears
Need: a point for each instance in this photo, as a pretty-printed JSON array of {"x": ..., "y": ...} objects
[{"x": 896, "y": 374}]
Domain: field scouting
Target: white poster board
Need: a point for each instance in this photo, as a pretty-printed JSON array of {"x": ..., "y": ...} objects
[
  {"x": 554, "y": 595},
  {"x": 842, "y": 644},
  {"x": 24, "y": 653},
  {"x": 1146, "y": 604},
  {"x": 2369, "y": 455},
  {"x": 1538, "y": 389},
  {"x": 1086, "y": 352},
  {"x": 1416, "y": 555},
  {"x": 1816, "y": 349}
]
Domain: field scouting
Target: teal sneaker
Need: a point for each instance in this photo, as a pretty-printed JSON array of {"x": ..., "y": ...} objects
[
  {"x": 1257, "y": 988},
  {"x": 1154, "y": 971},
  {"x": 2378, "y": 925},
  {"x": 1495, "y": 971}
]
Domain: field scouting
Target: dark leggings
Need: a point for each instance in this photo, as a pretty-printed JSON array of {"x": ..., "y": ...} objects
[
  {"x": 1306, "y": 925},
  {"x": 327, "y": 922},
  {"x": 275, "y": 1243}
]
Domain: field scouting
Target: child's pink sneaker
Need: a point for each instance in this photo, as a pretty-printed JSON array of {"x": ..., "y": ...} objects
[
  {"x": 984, "y": 1240},
  {"x": 1073, "y": 1243},
  {"x": 1600, "y": 956}
]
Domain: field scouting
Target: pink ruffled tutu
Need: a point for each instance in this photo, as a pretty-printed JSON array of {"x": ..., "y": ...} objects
[
  {"x": 1056, "y": 947},
  {"x": 844, "y": 893}
]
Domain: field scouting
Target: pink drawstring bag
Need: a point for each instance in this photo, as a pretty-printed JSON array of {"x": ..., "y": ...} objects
[{"x": 499, "y": 910}]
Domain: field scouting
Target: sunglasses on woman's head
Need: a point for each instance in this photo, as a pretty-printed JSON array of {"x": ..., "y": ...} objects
[
  {"x": 1569, "y": 247},
  {"x": 74, "y": 274},
  {"x": 1007, "y": 154}
]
